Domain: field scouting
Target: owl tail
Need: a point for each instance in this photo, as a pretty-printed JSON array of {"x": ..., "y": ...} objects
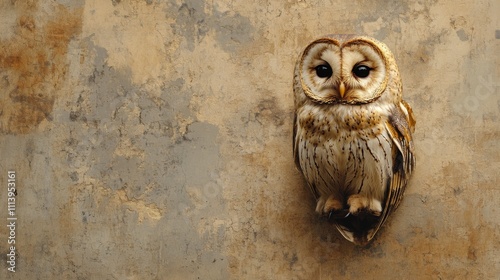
[{"x": 359, "y": 229}]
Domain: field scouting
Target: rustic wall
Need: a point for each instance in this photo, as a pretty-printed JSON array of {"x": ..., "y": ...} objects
[{"x": 152, "y": 140}]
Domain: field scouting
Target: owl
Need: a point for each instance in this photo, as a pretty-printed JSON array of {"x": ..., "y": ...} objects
[{"x": 352, "y": 134}]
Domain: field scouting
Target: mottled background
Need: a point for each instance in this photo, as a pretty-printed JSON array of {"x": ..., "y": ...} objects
[{"x": 152, "y": 140}]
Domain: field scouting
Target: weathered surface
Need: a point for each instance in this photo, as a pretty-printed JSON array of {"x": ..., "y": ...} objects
[{"x": 152, "y": 140}]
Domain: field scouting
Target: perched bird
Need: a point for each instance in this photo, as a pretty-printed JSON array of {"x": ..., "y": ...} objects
[{"x": 352, "y": 134}]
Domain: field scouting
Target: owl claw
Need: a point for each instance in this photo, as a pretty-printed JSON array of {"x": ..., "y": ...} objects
[
  {"x": 359, "y": 204},
  {"x": 328, "y": 205},
  {"x": 339, "y": 214}
]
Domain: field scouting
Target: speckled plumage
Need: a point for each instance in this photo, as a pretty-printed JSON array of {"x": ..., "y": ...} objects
[{"x": 352, "y": 134}]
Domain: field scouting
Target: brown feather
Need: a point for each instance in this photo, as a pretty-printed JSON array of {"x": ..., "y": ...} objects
[{"x": 399, "y": 129}]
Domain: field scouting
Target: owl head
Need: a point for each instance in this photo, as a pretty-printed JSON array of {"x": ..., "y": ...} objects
[{"x": 345, "y": 69}]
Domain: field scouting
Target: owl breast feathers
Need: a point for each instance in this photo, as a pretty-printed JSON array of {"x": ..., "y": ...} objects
[{"x": 352, "y": 137}]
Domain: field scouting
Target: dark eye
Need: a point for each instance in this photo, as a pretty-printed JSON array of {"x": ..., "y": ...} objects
[
  {"x": 323, "y": 71},
  {"x": 361, "y": 71}
]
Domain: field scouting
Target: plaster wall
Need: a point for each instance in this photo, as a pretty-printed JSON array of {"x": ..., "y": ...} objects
[{"x": 152, "y": 140}]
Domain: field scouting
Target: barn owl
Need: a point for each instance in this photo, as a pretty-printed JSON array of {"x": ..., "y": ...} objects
[{"x": 352, "y": 134}]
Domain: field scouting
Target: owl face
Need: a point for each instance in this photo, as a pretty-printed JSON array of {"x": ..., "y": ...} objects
[{"x": 344, "y": 69}]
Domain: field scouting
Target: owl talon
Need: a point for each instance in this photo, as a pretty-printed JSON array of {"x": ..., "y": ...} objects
[
  {"x": 332, "y": 204},
  {"x": 359, "y": 204},
  {"x": 342, "y": 214}
]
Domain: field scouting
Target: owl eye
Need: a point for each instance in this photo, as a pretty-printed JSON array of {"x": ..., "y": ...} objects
[
  {"x": 324, "y": 71},
  {"x": 361, "y": 71}
]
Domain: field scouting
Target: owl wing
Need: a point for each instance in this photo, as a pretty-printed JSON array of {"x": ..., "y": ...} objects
[
  {"x": 313, "y": 188},
  {"x": 400, "y": 126},
  {"x": 295, "y": 143}
]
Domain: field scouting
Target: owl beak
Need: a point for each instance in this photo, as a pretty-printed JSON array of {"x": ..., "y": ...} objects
[{"x": 342, "y": 89}]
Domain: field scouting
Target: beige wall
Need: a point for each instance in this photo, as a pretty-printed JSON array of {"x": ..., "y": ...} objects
[{"x": 152, "y": 140}]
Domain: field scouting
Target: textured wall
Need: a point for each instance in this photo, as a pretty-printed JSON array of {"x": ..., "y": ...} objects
[{"x": 152, "y": 140}]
